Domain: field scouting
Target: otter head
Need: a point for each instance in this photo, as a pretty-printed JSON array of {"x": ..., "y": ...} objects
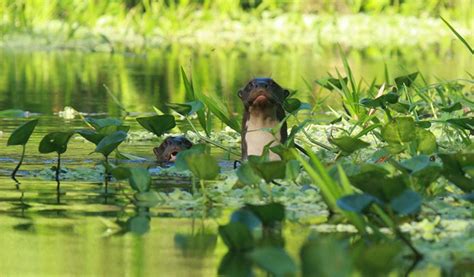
[
  {"x": 262, "y": 92},
  {"x": 170, "y": 147}
]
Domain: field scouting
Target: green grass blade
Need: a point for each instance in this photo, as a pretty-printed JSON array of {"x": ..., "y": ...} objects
[{"x": 458, "y": 35}]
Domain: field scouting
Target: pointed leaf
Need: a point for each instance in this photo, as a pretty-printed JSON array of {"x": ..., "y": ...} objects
[{"x": 21, "y": 135}]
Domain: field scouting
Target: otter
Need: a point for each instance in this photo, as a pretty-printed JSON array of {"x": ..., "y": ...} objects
[
  {"x": 263, "y": 108},
  {"x": 170, "y": 147}
]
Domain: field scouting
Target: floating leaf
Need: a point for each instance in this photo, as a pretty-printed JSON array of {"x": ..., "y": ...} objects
[
  {"x": 55, "y": 142},
  {"x": 21, "y": 135},
  {"x": 110, "y": 143},
  {"x": 157, "y": 124},
  {"x": 274, "y": 260}
]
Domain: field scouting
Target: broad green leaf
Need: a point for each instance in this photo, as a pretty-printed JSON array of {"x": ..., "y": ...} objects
[
  {"x": 325, "y": 256},
  {"x": 91, "y": 135},
  {"x": 157, "y": 124},
  {"x": 22, "y": 134},
  {"x": 274, "y": 260},
  {"x": 139, "y": 224},
  {"x": 331, "y": 83},
  {"x": 355, "y": 202},
  {"x": 235, "y": 264},
  {"x": 202, "y": 165},
  {"x": 119, "y": 172},
  {"x": 103, "y": 122},
  {"x": 110, "y": 143},
  {"x": 268, "y": 170},
  {"x": 291, "y": 104},
  {"x": 269, "y": 214},
  {"x": 55, "y": 142},
  {"x": 348, "y": 144},
  {"x": 147, "y": 198},
  {"x": 376, "y": 259},
  {"x": 426, "y": 141},
  {"x": 406, "y": 80},
  {"x": 187, "y": 108},
  {"x": 249, "y": 219},
  {"x": 454, "y": 169},
  {"x": 236, "y": 236},
  {"x": 247, "y": 175},
  {"x": 140, "y": 179},
  {"x": 108, "y": 130},
  {"x": 293, "y": 169},
  {"x": 399, "y": 130},
  {"x": 181, "y": 157},
  {"x": 408, "y": 202}
]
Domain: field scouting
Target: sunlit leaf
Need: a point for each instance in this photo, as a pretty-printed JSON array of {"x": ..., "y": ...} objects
[
  {"x": 399, "y": 130},
  {"x": 426, "y": 141}
]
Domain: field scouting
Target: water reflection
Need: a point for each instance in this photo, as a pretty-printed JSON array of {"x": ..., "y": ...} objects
[{"x": 46, "y": 82}]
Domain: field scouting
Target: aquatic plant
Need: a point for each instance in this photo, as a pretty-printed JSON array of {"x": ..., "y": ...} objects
[
  {"x": 55, "y": 142},
  {"x": 20, "y": 136}
]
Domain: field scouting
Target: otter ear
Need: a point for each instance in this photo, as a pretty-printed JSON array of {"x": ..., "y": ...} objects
[{"x": 240, "y": 93}]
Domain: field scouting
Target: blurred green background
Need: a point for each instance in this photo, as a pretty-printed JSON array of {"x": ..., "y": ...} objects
[{"x": 61, "y": 52}]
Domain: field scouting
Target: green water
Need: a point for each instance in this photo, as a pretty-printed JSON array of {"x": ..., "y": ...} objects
[{"x": 76, "y": 233}]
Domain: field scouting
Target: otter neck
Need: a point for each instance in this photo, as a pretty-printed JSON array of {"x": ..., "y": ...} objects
[{"x": 256, "y": 139}]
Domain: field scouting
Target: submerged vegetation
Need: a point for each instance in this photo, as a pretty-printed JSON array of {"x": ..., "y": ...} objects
[{"x": 376, "y": 176}]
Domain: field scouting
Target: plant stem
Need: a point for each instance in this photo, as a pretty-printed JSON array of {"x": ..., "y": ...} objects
[
  {"x": 106, "y": 174},
  {"x": 19, "y": 164},
  {"x": 203, "y": 188},
  {"x": 58, "y": 166}
]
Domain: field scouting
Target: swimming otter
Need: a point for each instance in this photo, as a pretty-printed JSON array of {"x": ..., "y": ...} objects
[
  {"x": 170, "y": 147},
  {"x": 263, "y": 99}
]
